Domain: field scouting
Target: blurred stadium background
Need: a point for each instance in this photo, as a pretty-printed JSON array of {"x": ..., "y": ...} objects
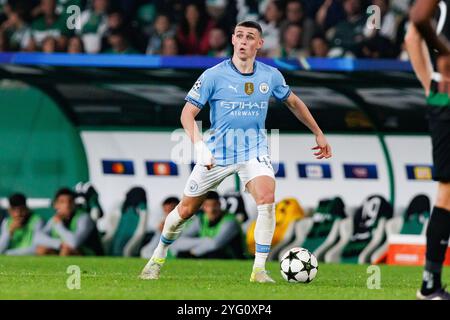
[{"x": 95, "y": 108}]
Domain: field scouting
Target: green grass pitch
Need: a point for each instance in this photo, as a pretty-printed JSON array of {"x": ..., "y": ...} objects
[{"x": 117, "y": 278}]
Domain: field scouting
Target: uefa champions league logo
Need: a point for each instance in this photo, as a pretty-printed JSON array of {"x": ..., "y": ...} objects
[{"x": 197, "y": 85}]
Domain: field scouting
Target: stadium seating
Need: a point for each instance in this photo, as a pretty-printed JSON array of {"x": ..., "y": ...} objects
[
  {"x": 233, "y": 202},
  {"x": 412, "y": 222},
  {"x": 3, "y": 214},
  {"x": 45, "y": 213},
  {"x": 363, "y": 233},
  {"x": 320, "y": 231},
  {"x": 87, "y": 199},
  {"x": 125, "y": 238}
]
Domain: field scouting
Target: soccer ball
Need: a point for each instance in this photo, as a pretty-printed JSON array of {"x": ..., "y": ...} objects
[{"x": 298, "y": 265}]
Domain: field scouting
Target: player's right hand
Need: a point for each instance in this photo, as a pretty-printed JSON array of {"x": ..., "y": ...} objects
[{"x": 204, "y": 155}]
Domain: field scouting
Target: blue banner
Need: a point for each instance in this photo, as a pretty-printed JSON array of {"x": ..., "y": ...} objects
[
  {"x": 360, "y": 171},
  {"x": 118, "y": 167},
  {"x": 314, "y": 170},
  {"x": 422, "y": 172},
  {"x": 279, "y": 168},
  {"x": 161, "y": 168},
  {"x": 195, "y": 62}
]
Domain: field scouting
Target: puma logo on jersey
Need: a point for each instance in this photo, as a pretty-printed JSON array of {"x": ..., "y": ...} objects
[{"x": 231, "y": 87}]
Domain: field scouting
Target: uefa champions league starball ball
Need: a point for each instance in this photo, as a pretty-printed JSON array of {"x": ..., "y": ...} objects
[{"x": 298, "y": 265}]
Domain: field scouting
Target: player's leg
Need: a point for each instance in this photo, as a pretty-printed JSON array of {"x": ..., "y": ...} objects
[
  {"x": 438, "y": 232},
  {"x": 173, "y": 225},
  {"x": 259, "y": 180},
  {"x": 262, "y": 189},
  {"x": 175, "y": 222},
  {"x": 199, "y": 183}
]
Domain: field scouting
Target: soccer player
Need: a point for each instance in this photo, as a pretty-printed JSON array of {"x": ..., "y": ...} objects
[
  {"x": 429, "y": 49},
  {"x": 238, "y": 92}
]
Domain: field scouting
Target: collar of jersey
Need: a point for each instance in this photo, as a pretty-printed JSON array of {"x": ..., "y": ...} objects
[{"x": 243, "y": 74}]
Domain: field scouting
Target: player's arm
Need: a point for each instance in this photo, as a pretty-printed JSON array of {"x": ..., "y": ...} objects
[
  {"x": 421, "y": 16},
  {"x": 188, "y": 121},
  {"x": 301, "y": 111},
  {"x": 419, "y": 56},
  {"x": 204, "y": 156}
]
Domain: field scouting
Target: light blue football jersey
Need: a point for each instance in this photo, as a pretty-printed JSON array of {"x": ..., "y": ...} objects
[{"x": 239, "y": 104}]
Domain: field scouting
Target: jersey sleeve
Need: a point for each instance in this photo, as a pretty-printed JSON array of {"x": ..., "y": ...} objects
[
  {"x": 201, "y": 91},
  {"x": 281, "y": 90}
]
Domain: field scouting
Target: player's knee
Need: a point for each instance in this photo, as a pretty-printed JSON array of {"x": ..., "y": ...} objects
[
  {"x": 186, "y": 210},
  {"x": 443, "y": 196},
  {"x": 265, "y": 198}
]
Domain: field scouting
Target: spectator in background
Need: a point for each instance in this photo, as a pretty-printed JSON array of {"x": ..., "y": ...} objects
[
  {"x": 128, "y": 7},
  {"x": 161, "y": 29},
  {"x": 175, "y": 8},
  {"x": 167, "y": 206},
  {"x": 219, "y": 43},
  {"x": 170, "y": 47},
  {"x": 329, "y": 14},
  {"x": 290, "y": 43},
  {"x": 49, "y": 45},
  {"x": 193, "y": 31},
  {"x": 247, "y": 10},
  {"x": 70, "y": 231},
  {"x": 116, "y": 21},
  {"x": 94, "y": 25},
  {"x": 319, "y": 47},
  {"x": 347, "y": 35},
  {"x": 16, "y": 30},
  {"x": 18, "y": 231},
  {"x": 389, "y": 22},
  {"x": 381, "y": 42},
  {"x": 295, "y": 13},
  {"x": 49, "y": 24},
  {"x": 3, "y": 43},
  {"x": 4, "y": 8},
  {"x": 270, "y": 25},
  {"x": 119, "y": 43},
  {"x": 377, "y": 48},
  {"x": 75, "y": 45},
  {"x": 223, "y": 13},
  {"x": 212, "y": 234},
  {"x": 216, "y": 8},
  {"x": 61, "y": 7},
  {"x": 145, "y": 17}
]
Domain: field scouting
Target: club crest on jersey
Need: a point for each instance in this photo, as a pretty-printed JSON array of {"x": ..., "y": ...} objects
[
  {"x": 264, "y": 88},
  {"x": 249, "y": 88}
]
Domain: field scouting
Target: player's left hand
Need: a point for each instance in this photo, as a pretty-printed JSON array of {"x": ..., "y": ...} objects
[{"x": 324, "y": 149}]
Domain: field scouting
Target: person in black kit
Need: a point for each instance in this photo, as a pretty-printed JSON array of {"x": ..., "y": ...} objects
[{"x": 429, "y": 50}]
